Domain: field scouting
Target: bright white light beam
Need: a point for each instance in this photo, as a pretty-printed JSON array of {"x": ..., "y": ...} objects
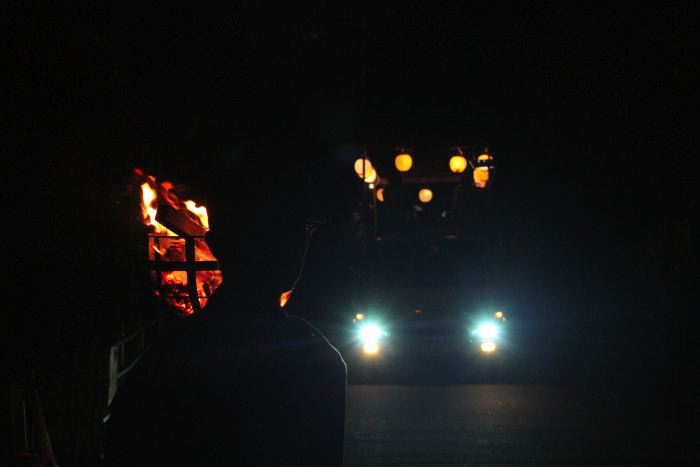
[{"x": 487, "y": 331}]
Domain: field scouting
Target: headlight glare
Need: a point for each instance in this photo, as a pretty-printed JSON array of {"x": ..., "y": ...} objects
[
  {"x": 370, "y": 334},
  {"x": 487, "y": 331}
]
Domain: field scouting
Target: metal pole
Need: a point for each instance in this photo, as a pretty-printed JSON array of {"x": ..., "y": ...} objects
[{"x": 374, "y": 209}]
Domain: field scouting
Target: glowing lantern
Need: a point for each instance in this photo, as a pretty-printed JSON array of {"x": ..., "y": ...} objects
[
  {"x": 481, "y": 177},
  {"x": 458, "y": 163},
  {"x": 363, "y": 167},
  {"x": 371, "y": 176},
  {"x": 403, "y": 162},
  {"x": 484, "y": 163},
  {"x": 380, "y": 194},
  {"x": 425, "y": 195},
  {"x": 499, "y": 314},
  {"x": 360, "y": 316},
  {"x": 485, "y": 160},
  {"x": 488, "y": 347}
]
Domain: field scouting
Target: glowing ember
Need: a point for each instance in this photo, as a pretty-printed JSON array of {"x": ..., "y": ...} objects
[{"x": 185, "y": 272}]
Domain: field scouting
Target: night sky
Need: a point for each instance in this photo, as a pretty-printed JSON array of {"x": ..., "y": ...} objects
[{"x": 587, "y": 108}]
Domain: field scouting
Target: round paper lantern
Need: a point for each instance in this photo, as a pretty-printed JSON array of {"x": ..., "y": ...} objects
[
  {"x": 485, "y": 160},
  {"x": 363, "y": 166},
  {"x": 425, "y": 195},
  {"x": 403, "y": 162},
  {"x": 481, "y": 177},
  {"x": 371, "y": 176},
  {"x": 458, "y": 163}
]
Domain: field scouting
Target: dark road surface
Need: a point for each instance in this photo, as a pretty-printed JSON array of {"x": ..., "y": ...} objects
[{"x": 508, "y": 425}]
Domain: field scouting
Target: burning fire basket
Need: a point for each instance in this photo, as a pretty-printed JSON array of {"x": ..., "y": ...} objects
[{"x": 183, "y": 269}]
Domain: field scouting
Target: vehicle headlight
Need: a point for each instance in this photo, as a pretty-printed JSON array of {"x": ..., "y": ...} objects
[
  {"x": 370, "y": 334},
  {"x": 487, "y": 331},
  {"x": 371, "y": 348}
]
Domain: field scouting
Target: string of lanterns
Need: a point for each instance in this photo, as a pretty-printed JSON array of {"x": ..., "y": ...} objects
[{"x": 458, "y": 163}]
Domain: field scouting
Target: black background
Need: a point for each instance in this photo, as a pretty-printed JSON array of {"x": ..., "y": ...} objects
[{"x": 589, "y": 110}]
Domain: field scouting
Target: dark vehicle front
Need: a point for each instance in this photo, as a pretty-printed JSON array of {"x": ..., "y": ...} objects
[{"x": 424, "y": 315}]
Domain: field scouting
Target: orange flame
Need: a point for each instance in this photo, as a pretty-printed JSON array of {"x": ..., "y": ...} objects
[
  {"x": 148, "y": 208},
  {"x": 284, "y": 298},
  {"x": 200, "y": 212},
  {"x": 167, "y": 246},
  {"x": 152, "y": 193}
]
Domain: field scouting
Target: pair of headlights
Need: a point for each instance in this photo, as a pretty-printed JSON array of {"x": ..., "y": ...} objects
[{"x": 371, "y": 335}]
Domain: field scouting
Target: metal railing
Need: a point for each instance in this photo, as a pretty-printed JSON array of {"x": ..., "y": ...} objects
[
  {"x": 126, "y": 353},
  {"x": 30, "y": 442}
]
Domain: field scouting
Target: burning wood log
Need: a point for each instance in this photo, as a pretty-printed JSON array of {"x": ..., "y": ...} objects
[{"x": 180, "y": 221}]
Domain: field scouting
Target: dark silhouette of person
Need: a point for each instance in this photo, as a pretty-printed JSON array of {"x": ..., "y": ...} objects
[{"x": 240, "y": 382}]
